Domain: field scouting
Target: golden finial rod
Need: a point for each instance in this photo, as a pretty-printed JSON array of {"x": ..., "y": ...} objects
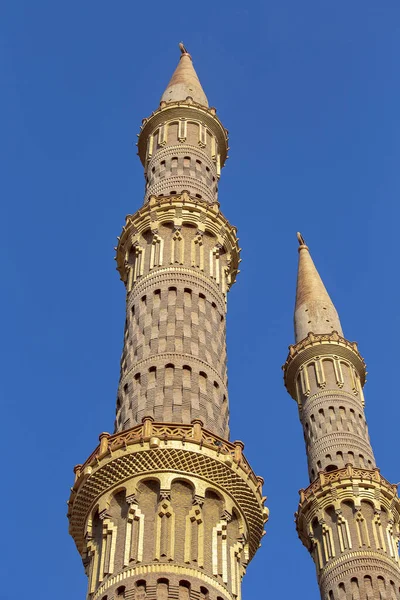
[
  {"x": 301, "y": 239},
  {"x": 182, "y": 48}
]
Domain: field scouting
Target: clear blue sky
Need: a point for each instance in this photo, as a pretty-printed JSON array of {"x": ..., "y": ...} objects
[{"x": 310, "y": 93}]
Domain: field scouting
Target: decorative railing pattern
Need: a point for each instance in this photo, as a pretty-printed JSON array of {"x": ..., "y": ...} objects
[
  {"x": 324, "y": 344},
  {"x": 313, "y": 338},
  {"x": 193, "y": 433},
  {"x": 320, "y": 338},
  {"x": 349, "y": 472}
]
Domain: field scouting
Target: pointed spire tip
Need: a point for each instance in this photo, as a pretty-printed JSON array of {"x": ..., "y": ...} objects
[
  {"x": 314, "y": 310},
  {"x": 183, "y": 50},
  {"x": 301, "y": 240},
  {"x": 184, "y": 82}
]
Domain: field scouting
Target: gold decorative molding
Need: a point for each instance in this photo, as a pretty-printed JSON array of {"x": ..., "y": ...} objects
[
  {"x": 176, "y": 448},
  {"x": 349, "y": 473},
  {"x": 183, "y": 209},
  {"x": 329, "y": 344},
  {"x": 352, "y": 484},
  {"x": 175, "y": 111},
  {"x": 163, "y": 568}
]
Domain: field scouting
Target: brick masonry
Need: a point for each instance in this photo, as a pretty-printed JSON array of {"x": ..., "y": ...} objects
[{"x": 167, "y": 508}]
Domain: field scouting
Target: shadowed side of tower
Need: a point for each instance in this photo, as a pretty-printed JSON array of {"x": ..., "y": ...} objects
[
  {"x": 348, "y": 517},
  {"x": 167, "y": 507}
]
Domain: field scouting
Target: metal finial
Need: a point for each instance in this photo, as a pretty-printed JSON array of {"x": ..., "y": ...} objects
[
  {"x": 301, "y": 239},
  {"x": 183, "y": 49}
]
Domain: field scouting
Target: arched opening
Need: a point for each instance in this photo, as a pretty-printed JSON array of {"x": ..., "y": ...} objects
[
  {"x": 330, "y": 468},
  {"x": 162, "y": 588},
  {"x": 204, "y": 594},
  {"x": 141, "y": 585},
  {"x": 184, "y": 590}
]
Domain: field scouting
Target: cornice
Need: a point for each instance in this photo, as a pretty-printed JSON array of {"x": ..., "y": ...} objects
[
  {"x": 163, "y": 568},
  {"x": 176, "y": 448},
  {"x": 328, "y": 344},
  {"x": 350, "y": 483},
  {"x": 177, "y": 110},
  {"x": 339, "y": 477},
  {"x": 198, "y": 213}
]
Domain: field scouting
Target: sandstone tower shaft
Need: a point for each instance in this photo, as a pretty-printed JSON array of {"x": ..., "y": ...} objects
[
  {"x": 167, "y": 507},
  {"x": 348, "y": 517}
]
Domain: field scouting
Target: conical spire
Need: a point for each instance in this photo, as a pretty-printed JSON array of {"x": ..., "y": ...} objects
[
  {"x": 314, "y": 311},
  {"x": 184, "y": 82}
]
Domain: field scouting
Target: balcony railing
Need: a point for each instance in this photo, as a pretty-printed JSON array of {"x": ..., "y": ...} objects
[{"x": 194, "y": 433}]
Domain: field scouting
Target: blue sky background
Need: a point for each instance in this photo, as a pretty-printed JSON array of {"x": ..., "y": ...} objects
[{"x": 310, "y": 94}]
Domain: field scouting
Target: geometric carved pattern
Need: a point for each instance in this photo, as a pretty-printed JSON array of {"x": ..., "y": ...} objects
[
  {"x": 349, "y": 516},
  {"x": 193, "y": 433},
  {"x": 146, "y": 570},
  {"x": 174, "y": 111},
  {"x": 131, "y": 463},
  {"x": 198, "y": 213},
  {"x": 322, "y": 345},
  {"x": 358, "y": 546}
]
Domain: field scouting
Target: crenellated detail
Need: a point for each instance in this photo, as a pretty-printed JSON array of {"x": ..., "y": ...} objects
[
  {"x": 322, "y": 352},
  {"x": 350, "y": 520},
  {"x": 198, "y": 223},
  {"x": 203, "y": 131},
  {"x": 181, "y": 511}
]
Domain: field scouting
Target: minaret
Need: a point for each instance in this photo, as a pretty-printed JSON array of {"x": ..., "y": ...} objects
[
  {"x": 348, "y": 517},
  {"x": 167, "y": 507}
]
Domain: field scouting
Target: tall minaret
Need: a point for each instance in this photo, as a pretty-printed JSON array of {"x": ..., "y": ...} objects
[
  {"x": 167, "y": 507},
  {"x": 348, "y": 517}
]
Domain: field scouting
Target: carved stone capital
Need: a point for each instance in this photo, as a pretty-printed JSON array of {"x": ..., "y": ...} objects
[
  {"x": 226, "y": 516},
  {"x": 198, "y": 500},
  {"x": 165, "y": 495},
  {"x": 132, "y": 499}
]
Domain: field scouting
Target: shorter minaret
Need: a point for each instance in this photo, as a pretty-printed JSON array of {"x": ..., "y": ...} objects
[{"x": 349, "y": 516}]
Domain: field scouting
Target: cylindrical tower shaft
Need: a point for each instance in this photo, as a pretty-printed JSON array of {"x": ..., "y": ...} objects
[
  {"x": 167, "y": 507},
  {"x": 349, "y": 516},
  {"x": 178, "y": 256}
]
